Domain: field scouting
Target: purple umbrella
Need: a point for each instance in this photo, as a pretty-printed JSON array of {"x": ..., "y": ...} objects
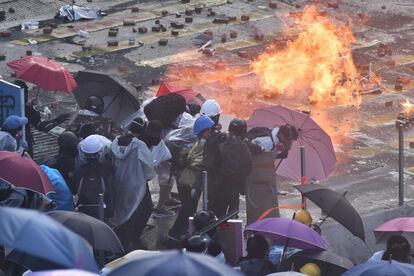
[
  {"x": 398, "y": 226},
  {"x": 319, "y": 152},
  {"x": 63, "y": 272},
  {"x": 289, "y": 233}
]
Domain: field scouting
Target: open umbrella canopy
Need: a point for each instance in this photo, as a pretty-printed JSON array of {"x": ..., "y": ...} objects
[
  {"x": 329, "y": 262},
  {"x": 40, "y": 243},
  {"x": 288, "y": 232},
  {"x": 336, "y": 206},
  {"x": 320, "y": 156},
  {"x": 381, "y": 268},
  {"x": 174, "y": 263},
  {"x": 168, "y": 88},
  {"x": 43, "y": 72},
  {"x": 21, "y": 171},
  {"x": 96, "y": 232},
  {"x": 120, "y": 98},
  {"x": 287, "y": 273},
  {"x": 398, "y": 226},
  {"x": 63, "y": 272}
]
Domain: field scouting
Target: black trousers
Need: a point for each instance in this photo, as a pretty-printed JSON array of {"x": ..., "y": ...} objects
[
  {"x": 130, "y": 232},
  {"x": 188, "y": 208},
  {"x": 225, "y": 195}
]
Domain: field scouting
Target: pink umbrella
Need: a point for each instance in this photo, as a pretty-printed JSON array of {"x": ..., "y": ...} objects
[
  {"x": 319, "y": 152},
  {"x": 398, "y": 226}
]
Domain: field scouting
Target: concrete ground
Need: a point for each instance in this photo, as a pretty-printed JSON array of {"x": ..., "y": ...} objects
[{"x": 365, "y": 137}]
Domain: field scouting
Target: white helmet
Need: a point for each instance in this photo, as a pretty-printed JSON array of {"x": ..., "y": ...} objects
[
  {"x": 91, "y": 144},
  {"x": 210, "y": 108}
]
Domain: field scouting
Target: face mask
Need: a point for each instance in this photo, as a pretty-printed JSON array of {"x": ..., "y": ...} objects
[{"x": 202, "y": 141}]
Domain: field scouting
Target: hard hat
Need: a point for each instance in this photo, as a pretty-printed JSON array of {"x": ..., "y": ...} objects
[
  {"x": 304, "y": 217},
  {"x": 202, "y": 123},
  {"x": 210, "y": 108},
  {"x": 198, "y": 243},
  {"x": 311, "y": 269},
  {"x": 91, "y": 145},
  {"x": 95, "y": 104},
  {"x": 238, "y": 127},
  {"x": 203, "y": 218}
]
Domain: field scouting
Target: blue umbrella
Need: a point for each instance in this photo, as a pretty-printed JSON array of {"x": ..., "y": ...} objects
[
  {"x": 381, "y": 268},
  {"x": 174, "y": 263},
  {"x": 41, "y": 243},
  {"x": 64, "y": 272}
]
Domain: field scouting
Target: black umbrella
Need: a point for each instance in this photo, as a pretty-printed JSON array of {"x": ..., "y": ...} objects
[
  {"x": 336, "y": 206},
  {"x": 96, "y": 232},
  {"x": 329, "y": 262},
  {"x": 120, "y": 98}
]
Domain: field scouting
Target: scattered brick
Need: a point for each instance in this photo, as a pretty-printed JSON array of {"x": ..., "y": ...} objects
[
  {"x": 210, "y": 12},
  {"x": 223, "y": 38},
  {"x": 188, "y": 20},
  {"x": 129, "y": 22},
  {"x": 297, "y": 6},
  {"x": 189, "y": 12},
  {"x": 157, "y": 21},
  {"x": 388, "y": 104},
  {"x": 134, "y": 30},
  {"x": 12, "y": 10},
  {"x": 220, "y": 65},
  {"x": 185, "y": 1},
  {"x": 198, "y": 9},
  {"x": 398, "y": 86},
  {"x": 164, "y": 13},
  {"x": 2, "y": 57},
  {"x": 5, "y": 34},
  {"x": 156, "y": 28},
  {"x": 233, "y": 34},
  {"x": 390, "y": 63},
  {"x": 123, "y": 69},
  {"x": 403, "y": 79},
  {"x": 177, "y": 25},
  {"x": 245, "y": 18},
  {"x": 47, "y": 30},
  {"x": 232, "y": 18},
  {"x": 134, "y": 9},
  {"x": 142, "y": 30},
  {"x": 174, "y": 32},
  {"x": 163, "y": 42},
  {"x": 221, "y": 20},
  {"x": 29, "y": 52},
  {"x": 89, "y": 1},
  {"x": 333, "y": 5},
  {"x": 411, "y": 145},
  {"x": 112, "y": 33},
  {"x": 163, "y": 29},
  {"x": 53, "y": 25},
  {"x": 383, "y": 7},
  {"x": 113, "y": 43},
  {"x": 243, "y": 54},
  {"x": 259, "y": 36},
  {"x": 272, "y": 5},
  {"x": 209, "y": 33},
  {"x": 155, "y": 82},
  {"x": 86, "y": 48}
]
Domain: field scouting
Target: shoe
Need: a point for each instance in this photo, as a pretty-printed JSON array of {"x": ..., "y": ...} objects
[
  {"x": 159, "y": 213},
  {"x": 172, "y": 204}
]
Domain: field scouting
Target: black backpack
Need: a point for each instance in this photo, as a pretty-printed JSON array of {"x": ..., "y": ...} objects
[
  {"x": 235, "y": 157},
  {"x": 260, "y": 132}
]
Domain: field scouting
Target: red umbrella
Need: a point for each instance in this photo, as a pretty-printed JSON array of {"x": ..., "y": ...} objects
[
  {"x": 320, "y": 155},
  {"x": 43, "y": 72},
  {"x": 23, "y": 172},
  {"x": 166, "y": 88}
]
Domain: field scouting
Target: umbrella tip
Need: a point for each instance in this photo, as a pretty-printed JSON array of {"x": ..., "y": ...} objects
[{"x": 23, "y": 152}]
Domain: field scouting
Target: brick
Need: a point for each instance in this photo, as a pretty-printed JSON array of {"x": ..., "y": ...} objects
[
  {"x": 411, "y": 145},
  {"x": 198, "y": 9},
  {"x": 29, "y": 52},
  {"x": 272, "y": 5},
  {"x": 129, "y": 22},
  {"x": 383, "y": 7},
  {"x": 259, "y": 37},
  {"x": 220, "y": 65},
  {"x": 333, "y": 5},
  {"x": 232, "y": 18},
  {"x": 138, "y": 87},
  {"x": 178, "y": 25},
  {"x": 86, "y": 48},
  {"x": 174, "y": 32},
  {"x": 398, "y": 86},
  {"x": 243, "y": 54},
  {"x": 123, "y": 69},
  {"x": 404, "y": 80},
  {"x": 134, "y": 9},
  {"x": 113, "y": 43},
  {"x": 142, "y": 30},
  {"x": 178, "y": 15},
  {"x": 188, "y": 20},
  {"x": 210, "y": 12},
  {"x": 390, "y": 63},
  {"x": 163, "y": 29},
  {"x": 223, "y": 38},
  {"x": 209, "y": 33},
  {"x": 221, "y": 20},
  {"x": 245, "y": 18},
  {"x": 297, "y": 6},
  {"x": 389, "y": 104},
  {"x": 134, "y": 30},
  {"x": 53, "y": 25},
  {"x": 322, "y": 12},
  {"x": 2, "y": 12},
  {"x": 157, "y": 21},
  {"x": 156, "y": 28},
  {"x": 2, "y": 57},
  {"x": 164, "y": 13},
  {"x": 47, "y": 30},
  {"x": 155, "y": 82},
  {"x": 5, "y": 34},
  {"x": 233, "y": 34},
  {"x": 185, "y": 1},
  {"x": 112, "y": 33},
  {"x": 115, "y": 29},
  {"x": 89, "y": 1},
  {"x": 189, "y": 12},
  {"x": 163, "y": 42},
  {"x": 12, "y": 10}
]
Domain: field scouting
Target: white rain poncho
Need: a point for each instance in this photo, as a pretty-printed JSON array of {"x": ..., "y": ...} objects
[
  {"x": 74, "y": 12},
  {"x": 133, "y": 168},
  {"x": 104, "y": 154},
  {"x": 160, "y": 153},
  {"x": 267, "y": 143}
]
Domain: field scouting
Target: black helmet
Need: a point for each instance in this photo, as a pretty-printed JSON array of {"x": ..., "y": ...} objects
[
  {"x": 68, "y": 139},
  {"x": 198, "y": 243},
  {"x": 238, "y": 127},
  {"x": 95, "y": 104},
  {"x": 203, "y": 218}
]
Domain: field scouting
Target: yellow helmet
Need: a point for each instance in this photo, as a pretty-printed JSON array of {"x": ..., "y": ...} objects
[
  {"x": 311, "y": 269},
  {"x": 304, "y": 217}
]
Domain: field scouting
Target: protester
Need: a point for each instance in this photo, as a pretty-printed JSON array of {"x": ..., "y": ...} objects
[
  {"x": 94, "y": 106},
  {"x": 398, "y": 249},
  {"x": 189, "y": 183},
  {"x": 235, "y": 166},
  {"x": 193, "y": 109},
  {"x": 311, "y": 269},
  {"x": 134, "y": 167},
  {"x": 104, "y": 153},
  {"x": 13, "y": 128},
  {"x": 92, "y": 178},
  {"x": 212, "y": 109},
  {"x": 256, "y": 263},
  {"x": 62, "y": 195}
]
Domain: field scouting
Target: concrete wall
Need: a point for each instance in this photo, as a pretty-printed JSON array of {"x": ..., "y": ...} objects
[{"x": 343, "y": 243}]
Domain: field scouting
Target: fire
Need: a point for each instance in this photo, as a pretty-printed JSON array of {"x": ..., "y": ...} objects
[
  {"x": 319, "y": 61},
  {"x": 408, "y": 107}
]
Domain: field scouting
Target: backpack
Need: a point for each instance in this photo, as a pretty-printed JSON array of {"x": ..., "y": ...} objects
[
  {"x": 260, "y": 132},
  {"x": 235, "y": 157}
]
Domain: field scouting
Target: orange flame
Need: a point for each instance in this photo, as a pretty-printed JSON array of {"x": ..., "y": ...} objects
[
  {"x": 408, "y": 107},
  {"x": 319, "y": 61}
]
